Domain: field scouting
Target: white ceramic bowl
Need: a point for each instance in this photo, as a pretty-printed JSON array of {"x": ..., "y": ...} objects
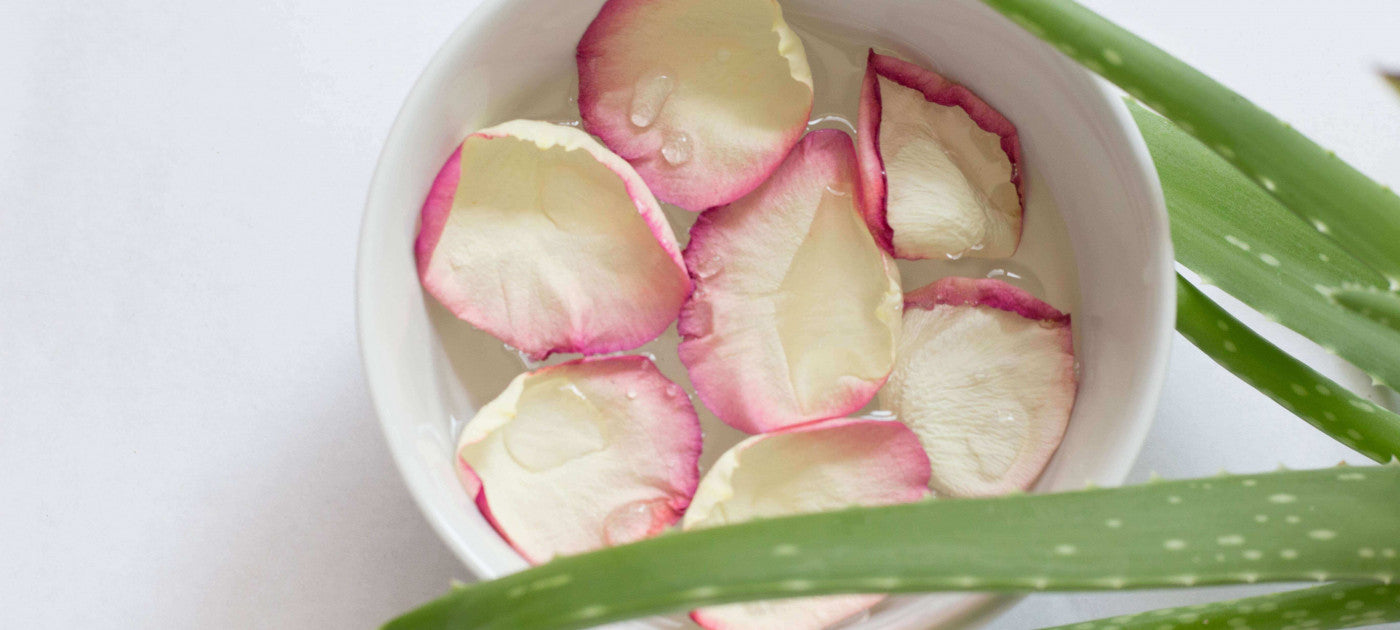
[{"x": 1080, "y": 144}]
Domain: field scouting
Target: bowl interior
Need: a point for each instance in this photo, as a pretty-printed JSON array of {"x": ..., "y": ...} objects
[{"x": 1084, "y": 158}]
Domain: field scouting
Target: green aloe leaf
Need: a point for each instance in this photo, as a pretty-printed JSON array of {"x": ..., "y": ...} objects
[
  {"x": 1344, "y": 605},
  {"x": 1369, "y": 429},
  {"x": 1284, "y": 526},
  {"x": 1379, "y": 306},
  {"x": 1358, "y": 213},
  {"x": 1239, "y": 238}
]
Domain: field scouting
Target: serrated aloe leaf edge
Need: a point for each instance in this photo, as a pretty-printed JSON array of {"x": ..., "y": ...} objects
[
  {"x": 1348, "y": 207},
  {"x": 1282, "y": 526},
  {"x": 1342, "y": 605},
  {"x": 1242, "y": 240},
  {"x": 1358, "y": 423}
]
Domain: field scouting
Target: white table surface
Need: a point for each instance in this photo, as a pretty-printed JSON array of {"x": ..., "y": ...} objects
[{"x": 185, "y": 437}]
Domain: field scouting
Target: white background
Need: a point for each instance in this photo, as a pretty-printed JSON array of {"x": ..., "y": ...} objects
[{"x": 185, "y": 437}]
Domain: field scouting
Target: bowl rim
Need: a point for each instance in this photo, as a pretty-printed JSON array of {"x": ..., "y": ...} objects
[{"x": 978, "y": 607}]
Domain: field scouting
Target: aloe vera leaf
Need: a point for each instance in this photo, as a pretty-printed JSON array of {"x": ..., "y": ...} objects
[
  {"x": 1282, "y": 526},
  {"x": 1360, "y": 214},
  {"x": 1393, "y": 79},
  {"x": 1361, "y": 425},
  {"x": 1378, "y": 306},
  {"x": 1239, "y": 238},
  {"x": 1342, "y": 605}
]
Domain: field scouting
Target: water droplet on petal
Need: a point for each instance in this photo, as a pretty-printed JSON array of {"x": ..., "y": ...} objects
[
  {"x": 649, "y": 96},
  {"x": 707, "y": 266},
  {"x": 629, "y": 523},
  {"x": 839, "y": 190},
  {"x": 676, "y": 149},
  {"x": 530, "y": 363}
]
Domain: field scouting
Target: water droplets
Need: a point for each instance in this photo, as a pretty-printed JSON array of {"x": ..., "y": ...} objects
[
  {"x": 677, "y": 148},
  {"x": 530, "y": 363},
  {"x": 649, "y": 96},
  {"x": 1006, "y": 416},
  {"x": 831, "y": 121},
  {"x": 628, "y": 523},
  {"x": 706, "y": 267},
  {"x": 838, "y": 190}
]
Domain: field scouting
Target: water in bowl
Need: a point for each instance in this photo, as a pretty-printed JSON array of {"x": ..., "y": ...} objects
[{"x": 1043, "y": 264}]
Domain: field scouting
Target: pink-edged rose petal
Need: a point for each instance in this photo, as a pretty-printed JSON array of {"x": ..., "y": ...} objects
[
  {"x": 703, "y": 97},
  {"x": 542, "y": 237},
  {"x": 986, "y": 378},
  {"x": 940, "y": 169},
  {"x": 815, "y": 467},
  {"x": 796, "y": 309},
  {"x": 582, "y": 455}
]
